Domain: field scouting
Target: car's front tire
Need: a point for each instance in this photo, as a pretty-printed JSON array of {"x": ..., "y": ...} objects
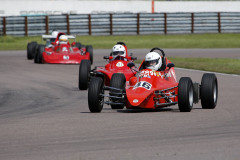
[
  {"x": 209, "y": 91},
  {"x": 95, "y": 95},
  {"x": 185, "y": 94}
]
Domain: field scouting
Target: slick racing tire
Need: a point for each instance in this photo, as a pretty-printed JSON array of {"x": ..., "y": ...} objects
[
  {"x": 118, "y": 80},
  {"x": 84, "y": 74},
  {"x": 41, "y": 49},
  {"x": 31, "y": 50},
  {"x": 78, "y": 45},
  {"x": 95, "y": 95},
  {"x": 209, "y": 91},
  {"x": 185, "y": 94},
  {"x": 89, "y": 49}
]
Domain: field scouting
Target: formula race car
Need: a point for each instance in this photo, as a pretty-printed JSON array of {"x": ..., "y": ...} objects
[
  {"x": 117, "y": 64},
  {"x": 56, "y": 52},
  {"x": 150, "y": 89}
]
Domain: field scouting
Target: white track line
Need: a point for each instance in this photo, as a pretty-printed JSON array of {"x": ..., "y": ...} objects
[{"x": 224, "y": 74}]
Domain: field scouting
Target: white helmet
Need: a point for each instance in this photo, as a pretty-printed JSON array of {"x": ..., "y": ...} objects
[
  {"x": 55, "y": 34},
  {"x": 118, "y": 50},
  {"x": 63, "y": 39},
  {"x": 153, "y": 61}
]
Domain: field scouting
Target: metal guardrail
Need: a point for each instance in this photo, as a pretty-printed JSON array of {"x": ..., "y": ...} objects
[{"x": 123, "y": 24}]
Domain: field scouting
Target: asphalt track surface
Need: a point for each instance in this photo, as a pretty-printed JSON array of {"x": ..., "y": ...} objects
[{"x": 43, "y": 116}]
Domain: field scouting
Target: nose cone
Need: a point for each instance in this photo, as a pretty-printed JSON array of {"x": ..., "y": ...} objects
[{"x": 136, "y": 96}]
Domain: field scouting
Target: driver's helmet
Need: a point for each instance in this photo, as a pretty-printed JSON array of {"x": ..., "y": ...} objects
[
  {"x": 118, "y": 50},
  {"x": 63, "y": 39},
  {"x": 153, "y": 61},
  {"x": 55, "y": 34}
]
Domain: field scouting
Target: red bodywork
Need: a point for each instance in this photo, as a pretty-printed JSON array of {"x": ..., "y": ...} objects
[
  {"x": 116, "y": 65},
  {"x": 152, "y": 89},
  {"x": 64, "y": 53}
]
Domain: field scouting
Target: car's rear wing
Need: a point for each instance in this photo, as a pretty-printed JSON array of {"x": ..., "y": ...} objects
[{"x": 45, "y": 37}]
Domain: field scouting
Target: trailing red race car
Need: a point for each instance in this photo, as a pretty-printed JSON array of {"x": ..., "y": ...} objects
[
  {"x": 150, "y": 89},
  {"x": 59, "y": 50},
  {"x": 118, "y": 61}
]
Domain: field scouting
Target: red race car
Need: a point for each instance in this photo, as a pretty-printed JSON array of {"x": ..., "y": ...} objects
[
  {"x": 150, "y": 89},
  {"x": 59, "y": 50},
  {"x": 118, "y": 61}
]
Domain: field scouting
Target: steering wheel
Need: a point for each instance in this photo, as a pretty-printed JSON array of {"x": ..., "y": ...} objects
[{"x": 163, "y": 67}]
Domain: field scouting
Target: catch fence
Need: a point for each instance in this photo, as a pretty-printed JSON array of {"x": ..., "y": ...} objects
[{"x": 123, "y": 24}]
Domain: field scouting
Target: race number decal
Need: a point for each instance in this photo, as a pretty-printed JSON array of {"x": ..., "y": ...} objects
[
  {"x": 143, "y": 84},
  {"x": 119, "y": 64},
  {"x": 66, "y": 57}
]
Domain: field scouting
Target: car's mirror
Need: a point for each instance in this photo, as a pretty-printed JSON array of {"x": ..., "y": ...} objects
[
  {"x": 130, "y": 64},
  {"x": 170, "y": 65},
  {"x": 106, "y": 57},
  {"x": 52, "y": 43},
  {"x": 134, "y": 58}
]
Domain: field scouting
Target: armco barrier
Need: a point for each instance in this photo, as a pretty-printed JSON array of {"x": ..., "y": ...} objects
[{"x": 123, "y": 24}]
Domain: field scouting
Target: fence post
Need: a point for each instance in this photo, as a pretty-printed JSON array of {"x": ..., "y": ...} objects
[
  {"x": 219, "y": 23},
  {"x": 192, "y": 31},
  {"x": 4, "y": 26},
  {"x": 26, "y": 26},
  {"x": 111, "y": 27},
  {"x": 165, "y": 23},
  {"x": 46, "y": 24},
  {"x": 89, "y": 25},
  {"x": 138, "y": 24},
  {"x": 68, "y": 25}
]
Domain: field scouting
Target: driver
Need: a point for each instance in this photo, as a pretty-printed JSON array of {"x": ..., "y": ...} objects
[
  {"x": 153, "y": 61},
  {"x": 63, "y": 39},
  {"x": 118, "y": 50}
]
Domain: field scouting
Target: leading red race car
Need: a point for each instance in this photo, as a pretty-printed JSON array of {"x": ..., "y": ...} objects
[
  {"x": 117, "y": 64},
  {"x": 150, "y": 89},
  {"x": 64, "y": 53}
]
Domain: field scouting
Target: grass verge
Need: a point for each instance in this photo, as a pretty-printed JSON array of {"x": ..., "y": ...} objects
[
  {"x": 138, "y": 41},
  {"x": 222, "y": 65}
]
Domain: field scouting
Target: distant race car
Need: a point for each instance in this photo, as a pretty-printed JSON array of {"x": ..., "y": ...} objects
[
  {"x": 54, "y": 52},
  {"x": 116, "y": 64},
  {"x": 150, "y": 89}
]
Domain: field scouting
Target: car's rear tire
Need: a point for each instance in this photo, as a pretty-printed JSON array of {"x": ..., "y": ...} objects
[
  {"x": 89, "y": 49},
  {"x": 209, "y": 91},
  {"x": 95, "y": 99},
  {"x": 84, "y": 74},
  {"x": 185, "y": 94},
  {"x": 118, "y": 80}
]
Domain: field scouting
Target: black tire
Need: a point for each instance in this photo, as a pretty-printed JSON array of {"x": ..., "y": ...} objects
[
  {"x": 84, "y": 74},
  {"x": 95, "y": 100},
  {"x": 209, "y": 91},
  {"x": 89, "y": 49},
  {"x": 29, "y": 50},
  {"x": 185, "y": 94},
  {"x": 41, "y": 49},
  {"x": 34, "y": 48},
  {"x": 78, "y": 45},
  {"x": 118, "y": 80}
]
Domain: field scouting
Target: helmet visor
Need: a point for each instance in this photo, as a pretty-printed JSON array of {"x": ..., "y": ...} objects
[
  {"x": 117, "y": 53},
  {"x": 151, "y": 63}
]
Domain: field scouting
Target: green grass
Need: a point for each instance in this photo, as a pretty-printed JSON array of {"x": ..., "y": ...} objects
[
  {"x": 222, "y": 65},
  {"x": 138, "y": 41}
]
